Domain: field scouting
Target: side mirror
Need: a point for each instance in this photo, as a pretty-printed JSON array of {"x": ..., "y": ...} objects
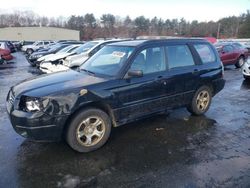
[{"x": 135, "y": 73}]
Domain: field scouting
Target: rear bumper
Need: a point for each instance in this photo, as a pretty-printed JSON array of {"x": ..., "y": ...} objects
[
  {"x": 7, "y": 57},
  {"x": 218, "y": 85}
]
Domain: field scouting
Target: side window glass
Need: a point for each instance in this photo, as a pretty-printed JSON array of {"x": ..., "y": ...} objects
[
  {"x": 179, "y": 56},
  {"x": 227, "y": 49},
  {"x": 150, "y": 60},
  {"x": 205, "y": 52}
]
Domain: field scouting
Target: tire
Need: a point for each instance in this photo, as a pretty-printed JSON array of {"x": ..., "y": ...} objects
[
  {"x": 240, "y": 62},
  {"x": 82, "y": 134},
  {"x": 29, "y": 51},
  {"x": 198, "y": 107},
  {"x": 246, "y": 77}
]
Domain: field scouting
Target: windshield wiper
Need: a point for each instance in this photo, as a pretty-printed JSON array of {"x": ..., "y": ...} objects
[{"x": 87, "y": 71}]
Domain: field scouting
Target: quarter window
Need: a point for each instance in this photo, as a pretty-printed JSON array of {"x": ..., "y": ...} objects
[
  {"x": 150, "y": 60},
  {"x": 179, "y": 56},
  {"x": 205, "y": 52}
]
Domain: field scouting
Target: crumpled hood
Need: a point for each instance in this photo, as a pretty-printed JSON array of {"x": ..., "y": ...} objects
[{"x": 54, "y": 83}]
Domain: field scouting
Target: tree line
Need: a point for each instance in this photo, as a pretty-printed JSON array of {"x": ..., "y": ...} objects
[{"x": 108, "y": 25}]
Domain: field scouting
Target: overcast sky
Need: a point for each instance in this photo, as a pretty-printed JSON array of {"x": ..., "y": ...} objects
[{"x": 201, "y": 10}]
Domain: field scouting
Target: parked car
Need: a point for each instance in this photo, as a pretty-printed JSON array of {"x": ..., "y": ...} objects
[
  {"x": 75, "y": 60},
  {"x": 61, "y": 53},
  {"x": 18, "y": 45},
  {"x": 232, "y": 54},
  {"x": 94, "y": 46},
  {"x": 121, "y": 83},
  {"x": 32, "y": 59},
  {"x": 5, "y": 54},
  {"x": 5, "y": 44},
  {"x": 29, "y": 49},
  {"x": 246, "y": 70},
  {"x": 56, "y": 58}
]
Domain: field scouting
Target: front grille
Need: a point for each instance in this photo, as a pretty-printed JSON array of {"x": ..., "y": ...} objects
[{"x": 11, "y": 97}]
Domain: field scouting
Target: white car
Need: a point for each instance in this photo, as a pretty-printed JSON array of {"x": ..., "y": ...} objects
[
  {"x": 246, "y": 69},
  {"x": 82, "y": 54},
  {"x": 48, "y": 67},
  {"x": 29, "y": 49},
  {"x": 77, "y": 60},
  {"x": 71, "y": 61},
  {"x": 60, "y": 54}
]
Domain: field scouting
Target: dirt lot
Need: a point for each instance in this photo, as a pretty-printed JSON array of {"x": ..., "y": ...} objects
[{"x": 178, "y": 150}]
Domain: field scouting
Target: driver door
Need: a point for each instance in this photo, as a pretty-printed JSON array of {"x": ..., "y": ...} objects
[{"x": 143, "y": 95}]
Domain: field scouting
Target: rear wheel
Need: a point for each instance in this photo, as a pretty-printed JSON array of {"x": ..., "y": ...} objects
[
  {"x": 240, "y": 62},
  {"x": 88, "y": 130},
  {"x": 201, "y": 101}
]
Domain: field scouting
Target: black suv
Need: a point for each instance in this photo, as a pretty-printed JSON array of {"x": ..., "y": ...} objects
[{"x": 123, "y": 82}]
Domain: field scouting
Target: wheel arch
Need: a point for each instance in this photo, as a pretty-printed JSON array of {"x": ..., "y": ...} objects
[{"x": 97, "y": 105}]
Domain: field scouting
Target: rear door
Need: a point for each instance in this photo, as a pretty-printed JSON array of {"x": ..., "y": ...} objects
[
  {"x": 227, "y": 54},
  {"x": 183, "y": 75}
]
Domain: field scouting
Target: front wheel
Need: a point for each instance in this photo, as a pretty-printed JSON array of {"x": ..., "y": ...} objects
[
  {"x": 88, "y": 130},
  {"x": 201, "y": 101},
  {"x": 29, "y": 51}
]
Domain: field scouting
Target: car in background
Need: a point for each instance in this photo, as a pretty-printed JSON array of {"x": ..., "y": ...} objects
[
  {"x": 5, "y": 54},
  {"x": 29, "y": 49},
  {"x": 122, "y": 83},
  {"x": 75, "y": 60},
  {"x": 57, "y": 56},
  {"x": 63, "y": 53},
  {"x": 246, "y": 70},
  {"x": 7, "y": 45},
  {"x": 54, "y": 63},
  {"x": 231, "y": 54},
  {"x": 18, "y": 45},
  {"x": 32, "y": 59}
]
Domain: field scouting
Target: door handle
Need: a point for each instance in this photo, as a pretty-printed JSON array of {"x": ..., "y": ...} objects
[{"x": 195, "y": 71}]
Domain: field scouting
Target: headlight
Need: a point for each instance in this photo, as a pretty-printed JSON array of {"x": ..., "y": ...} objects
[
  {"x": 38, "y": 56},
  {"x": 33, "y": 104}
]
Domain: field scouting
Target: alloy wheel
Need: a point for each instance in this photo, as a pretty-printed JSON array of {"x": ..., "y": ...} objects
[{"x": 90, "y": 131}]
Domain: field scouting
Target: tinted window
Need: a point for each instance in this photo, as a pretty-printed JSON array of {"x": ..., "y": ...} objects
[
  {"x": 179, "y": 56},
  {"x": 205, "y": 52},
  {"x": 150, "y": 60},
  {"x": 228, "y": 48}
]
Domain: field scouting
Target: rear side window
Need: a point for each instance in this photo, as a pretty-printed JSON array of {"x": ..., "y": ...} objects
[
  {"x": 205, "y": 52},
  {"x": 179, "y": 56}
]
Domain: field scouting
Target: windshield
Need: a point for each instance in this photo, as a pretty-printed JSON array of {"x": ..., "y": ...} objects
[
  {"x": 54, "y": 47},
  {"x": 67, "y": 49},
  {"x": 108, "y": 61},
  {"x": 85, "y": 47}
]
